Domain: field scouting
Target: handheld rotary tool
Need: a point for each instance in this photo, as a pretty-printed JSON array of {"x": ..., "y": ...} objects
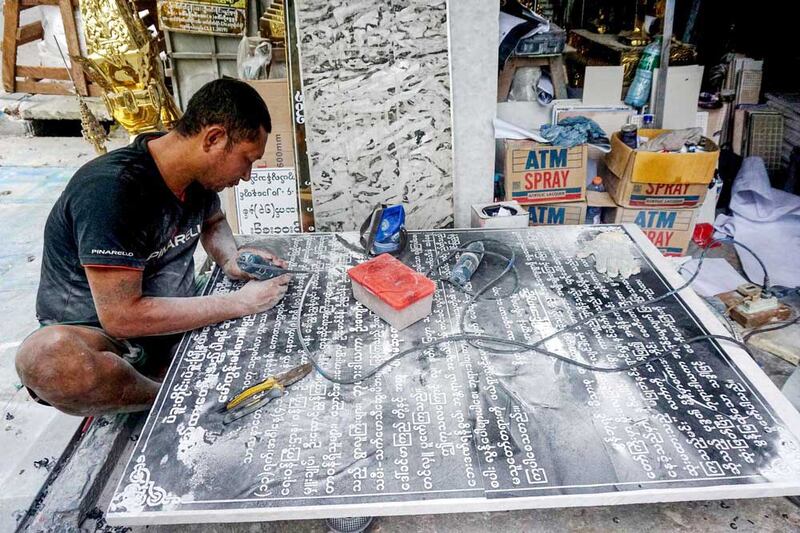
[{"x": 262, "y": 268}]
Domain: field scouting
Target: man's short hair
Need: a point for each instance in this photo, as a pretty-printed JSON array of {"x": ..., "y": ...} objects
[{"x": 232, "y": 104}]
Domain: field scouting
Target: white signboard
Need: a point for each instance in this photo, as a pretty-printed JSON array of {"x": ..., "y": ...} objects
[{"x": 268, "y": 203}]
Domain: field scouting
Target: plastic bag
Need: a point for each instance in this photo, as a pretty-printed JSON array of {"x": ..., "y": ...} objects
[
  {"x": 523, "y": 88},
  {"x": 253, "y": 58}
]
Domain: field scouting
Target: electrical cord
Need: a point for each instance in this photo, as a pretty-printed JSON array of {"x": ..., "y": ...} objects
[
  {"x": 771, "y": 327},
  {"x": 473, "y": 338},
  {"x": 765, "y": 286}
]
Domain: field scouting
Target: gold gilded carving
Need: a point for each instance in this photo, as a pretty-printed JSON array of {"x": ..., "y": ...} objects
[{"x": 122, "y": 59}]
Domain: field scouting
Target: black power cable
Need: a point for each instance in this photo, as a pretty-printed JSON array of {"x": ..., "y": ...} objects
[
  {"x": 771, "y": 327},
  {"x": 473, "y": 338}
]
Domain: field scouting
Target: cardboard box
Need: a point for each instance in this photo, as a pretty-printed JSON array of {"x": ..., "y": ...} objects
[
  {"x": 669, "y": 229},
  {"x": 279, "y": 152},
  {"x": 645, "y": 179},
  {"x": 544, "y": 174},
  {"x": 655, "y": 195},
  {"x": 482, "y": 218},
  {"x": 563, "y": 214}
]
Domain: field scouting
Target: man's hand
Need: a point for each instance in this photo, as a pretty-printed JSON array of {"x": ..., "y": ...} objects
[
  {"x": 218, "y": 241},
  {"x": 233, "y": 271},
  {"x": 258, "y": 296},
  {"x": 613, "y": 255}
]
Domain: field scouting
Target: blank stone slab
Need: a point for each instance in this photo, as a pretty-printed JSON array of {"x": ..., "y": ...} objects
[
  {"x": 457, "y": 428},
  {"x": 376, "y": 88}
]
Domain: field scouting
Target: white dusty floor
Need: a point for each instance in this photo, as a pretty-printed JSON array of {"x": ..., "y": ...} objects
[
  {"x": 37, "y": 435},
  {"x": 33, "y": 171}
]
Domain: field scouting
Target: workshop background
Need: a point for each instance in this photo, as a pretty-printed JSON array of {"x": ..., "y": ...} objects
[{"x": 450, "y": 108}]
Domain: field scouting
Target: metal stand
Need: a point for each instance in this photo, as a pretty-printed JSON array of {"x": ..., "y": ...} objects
[{"x": 355, "y": 524}]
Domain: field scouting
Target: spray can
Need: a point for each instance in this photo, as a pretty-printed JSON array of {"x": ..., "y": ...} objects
[
  {"x": 467, "y": 264},
  {"x": 629, "y": 135},
  {"x": 594, "y": 214}
]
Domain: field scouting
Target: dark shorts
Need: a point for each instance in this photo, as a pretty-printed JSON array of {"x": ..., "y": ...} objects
[{"x": 143, "y": 353}]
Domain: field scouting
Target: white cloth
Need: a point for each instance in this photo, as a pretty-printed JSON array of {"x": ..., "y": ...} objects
[
  {"x": 507, "y": 130},
  {"x": 716, "y": 276},
  {"x": 767, "y": 220}
]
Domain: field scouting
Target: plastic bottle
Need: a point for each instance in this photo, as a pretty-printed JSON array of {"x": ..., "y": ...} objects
[
  {"x": 639, "y": 91},
  {"x": 594, "y": 214}
]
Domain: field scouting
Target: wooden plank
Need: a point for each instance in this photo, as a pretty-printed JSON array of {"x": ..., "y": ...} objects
[
  {"x": 55, "y": 87},
  {"x": 558, "y": 75},
  {"x": 41, "y": 87},
  {"x": 30, "y": 32},
  {"x": 43, "y": 73},
  {"x": 95, "y": 90},
  {"x": 10, "y": 23},
  {"x": 74, "y": 492},
  {"x": 33, "y": 3},
  {"x": 71, "y": 32}
]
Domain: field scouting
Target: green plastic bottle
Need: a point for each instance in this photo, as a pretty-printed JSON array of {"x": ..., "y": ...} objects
[{"x": 639, "y": 91}]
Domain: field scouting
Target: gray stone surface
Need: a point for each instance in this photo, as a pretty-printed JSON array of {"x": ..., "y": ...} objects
[
  {"x": 64, "y": 152},
  {"x": 12, "y": 126},
  {"x": 456, "y": 428},
  {"x": 49, "y": 106},
  {"x": 376, "y": 85}
]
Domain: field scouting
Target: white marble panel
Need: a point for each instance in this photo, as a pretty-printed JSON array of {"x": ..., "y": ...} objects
[
  {"x": 377, "y": 101},
  {"x": 473, "y": 56}
]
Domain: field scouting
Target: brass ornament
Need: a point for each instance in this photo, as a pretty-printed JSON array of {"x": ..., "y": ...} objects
[
  {"x": 91, "y": 129},
  {"x": 273, "y": 22},
  {"x": 121, "y": 57}
]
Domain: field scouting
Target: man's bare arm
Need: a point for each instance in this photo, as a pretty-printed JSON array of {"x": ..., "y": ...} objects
[
  {"x": 125, "y": 313},
  {"x": 217, "y": 239}
]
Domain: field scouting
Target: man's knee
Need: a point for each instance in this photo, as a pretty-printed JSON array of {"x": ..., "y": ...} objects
[
  {"x": 41, "y": 351},
  {"x": 50, "y": 363}
]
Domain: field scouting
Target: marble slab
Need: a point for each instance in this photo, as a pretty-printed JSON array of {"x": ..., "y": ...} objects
[
  {"x": 376, "y": 91},
  {"x": 458, "y": 428},
  {"x": 473, "y": 58}
]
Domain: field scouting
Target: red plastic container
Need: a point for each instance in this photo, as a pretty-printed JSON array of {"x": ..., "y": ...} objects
[{"x": 395, "y": 292}]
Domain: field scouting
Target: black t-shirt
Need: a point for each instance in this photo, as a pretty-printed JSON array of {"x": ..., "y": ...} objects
[{"x": 117, "y": 211}]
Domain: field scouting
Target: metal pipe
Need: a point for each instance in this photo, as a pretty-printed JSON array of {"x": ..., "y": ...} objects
[{"x": 661, "y": 86}]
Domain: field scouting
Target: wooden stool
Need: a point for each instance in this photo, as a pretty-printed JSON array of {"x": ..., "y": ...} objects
[
  {"x": 558, "y": 74},
  {"x": 15, "y": 35}
]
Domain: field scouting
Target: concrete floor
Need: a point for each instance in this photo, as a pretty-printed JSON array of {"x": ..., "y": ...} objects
[
  {"x": 775, "y": 515},
  {"x": 35, "y": 433},
  {"x": 33, "y": 172}
]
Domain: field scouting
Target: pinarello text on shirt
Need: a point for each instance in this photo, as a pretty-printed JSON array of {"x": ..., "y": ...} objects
[
  {"x": 111, "y": 252},
  {"x": 177, "y": 240}
]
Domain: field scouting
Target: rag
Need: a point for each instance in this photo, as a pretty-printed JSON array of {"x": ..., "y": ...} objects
[
  {"x": 573, "y": 131},
  {"x": 673, "y": 141}
]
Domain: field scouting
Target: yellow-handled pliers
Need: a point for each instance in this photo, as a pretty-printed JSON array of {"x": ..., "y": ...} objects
[{"x": 257, "y": 396}]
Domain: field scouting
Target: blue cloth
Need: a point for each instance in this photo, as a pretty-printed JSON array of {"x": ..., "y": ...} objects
[{"x": 573, "y": 131}]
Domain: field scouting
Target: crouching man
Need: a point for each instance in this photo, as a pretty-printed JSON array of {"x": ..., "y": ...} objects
[{"x": 117, "y": 282}]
